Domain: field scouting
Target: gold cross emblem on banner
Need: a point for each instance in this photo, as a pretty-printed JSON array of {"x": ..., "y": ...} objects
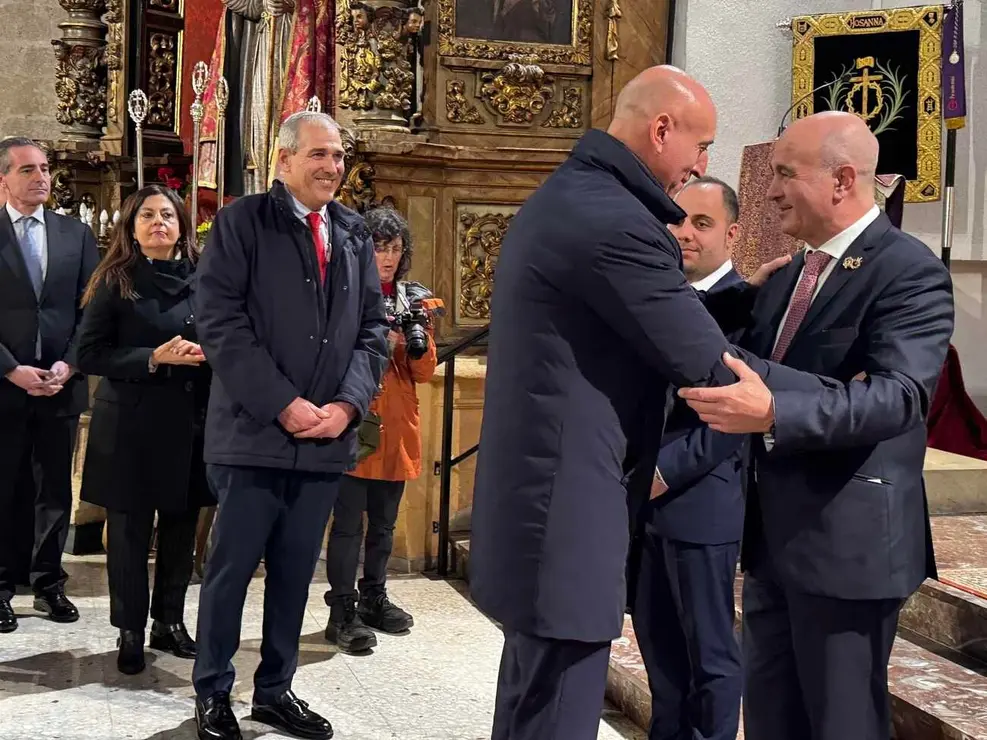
[{"x": 866, "y": 84}]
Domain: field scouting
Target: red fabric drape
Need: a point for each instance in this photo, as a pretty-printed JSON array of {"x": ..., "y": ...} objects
[{"x": 955, "y": 423}]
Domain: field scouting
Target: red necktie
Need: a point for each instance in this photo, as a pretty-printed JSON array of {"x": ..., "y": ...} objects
[
  {"x": 315, "y": 225},
  {"x": 815, "y": 263}
]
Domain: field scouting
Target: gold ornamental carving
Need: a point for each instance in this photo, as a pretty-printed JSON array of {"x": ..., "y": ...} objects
[
  {"x": 377, "y": 41},
  {"x": 161, "y": 80},
  {"x": 578, "y": 51},
  {"x": 62, "y": 195},
  {"x": 613, "y": 30},
  {"x": 519, "y": 92},
  {"x": 357, "y": 191},
  {"x": 80, "y": 69},
  {"x": 114, "y": 56},
  {"x": 482, "y": 234},
  {"x": 458, "y": 108},
  {"x": 570, "y": 113},
  {"x": 80, "y": 74}
]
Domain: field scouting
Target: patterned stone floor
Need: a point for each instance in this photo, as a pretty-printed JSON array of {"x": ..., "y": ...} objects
[{"x": 59, "y": 682}]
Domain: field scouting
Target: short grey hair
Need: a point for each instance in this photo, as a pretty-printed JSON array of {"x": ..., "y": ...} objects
[
  {"x": 13, "y": 142},
  {"x": 288, "y": 135}
]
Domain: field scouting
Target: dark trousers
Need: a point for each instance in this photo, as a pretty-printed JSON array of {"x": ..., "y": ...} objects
[
  {"x": 380, "y": 499},
  {"x": 128, "y": 540},
  {"x": 279, "y": 515},
  {"x": 684, "y": 622},
  {"x": 815, "y": 667},
  {"x": 549, "y": 689},
  {"x": 48, "y": 443}
]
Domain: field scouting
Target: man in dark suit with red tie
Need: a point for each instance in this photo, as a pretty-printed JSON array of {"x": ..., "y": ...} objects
[
  {"x": 46, "y": 260},
  {"x": 291, "y": 318},
  {"x": 837, "y": 532}
]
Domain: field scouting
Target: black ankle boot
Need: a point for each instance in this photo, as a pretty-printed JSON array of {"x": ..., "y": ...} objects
[
  {"x": 347, "y": 630},
  {"x": 172, "y": 638},
  {"x": 130, "y": 658}
]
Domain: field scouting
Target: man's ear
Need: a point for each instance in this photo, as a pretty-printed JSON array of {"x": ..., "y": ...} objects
[
  {"x": 659, "y": 130},
  {"x": 846, "y": 179},
  {"x": 732, "y": 233}
]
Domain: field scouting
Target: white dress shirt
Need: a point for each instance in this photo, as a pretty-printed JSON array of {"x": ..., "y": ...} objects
[
  {"x": 40, "y": 234},
  {"x": 835, "y": 248},
  {"x": 714, "y": 277},
  {"x": 302, "y": 211}
]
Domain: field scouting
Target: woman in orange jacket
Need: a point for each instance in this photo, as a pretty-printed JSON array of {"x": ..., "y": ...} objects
[{"x": 377, "y": 483}]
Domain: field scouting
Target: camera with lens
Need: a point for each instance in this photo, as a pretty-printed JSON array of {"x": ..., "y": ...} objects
[{"x": 412, "y": 314}]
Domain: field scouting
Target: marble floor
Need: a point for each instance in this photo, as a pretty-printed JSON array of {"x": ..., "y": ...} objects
[{"x": 59, "y": 682}]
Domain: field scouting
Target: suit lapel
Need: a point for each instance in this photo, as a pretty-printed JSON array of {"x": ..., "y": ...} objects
[
  {"x": 58, "y": 247},
  {"x": 10, "y": 250},
  {"x": 843, "y": 272}
]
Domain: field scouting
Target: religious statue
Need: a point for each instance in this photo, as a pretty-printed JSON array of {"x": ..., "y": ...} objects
[
  {"x": 377, "y": 64},
  {"x": 275, "y": 55}
]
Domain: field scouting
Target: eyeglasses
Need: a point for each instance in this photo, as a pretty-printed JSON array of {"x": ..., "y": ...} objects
[{"x": 384, "y": 249}]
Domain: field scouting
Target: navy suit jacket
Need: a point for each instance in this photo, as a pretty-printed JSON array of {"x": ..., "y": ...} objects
[
  {"x": 837, "y": 506},
  {"x": 704, "y": 503}
]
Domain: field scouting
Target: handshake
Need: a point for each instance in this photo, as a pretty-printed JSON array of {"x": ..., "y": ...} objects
[{"x": 305, "y": 420}]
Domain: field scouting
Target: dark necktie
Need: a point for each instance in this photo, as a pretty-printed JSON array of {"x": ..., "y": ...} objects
[
  {"x": 315, "y": 225},
  {"x": 815, "y": 263}
]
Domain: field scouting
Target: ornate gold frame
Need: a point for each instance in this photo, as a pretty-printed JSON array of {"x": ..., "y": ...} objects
[
  {"x": 927, "y": 187},
  {"x": 579, "y": 52}
]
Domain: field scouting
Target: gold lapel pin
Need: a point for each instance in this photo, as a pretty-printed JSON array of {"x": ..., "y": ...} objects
[{"x": 852, "y": 263}]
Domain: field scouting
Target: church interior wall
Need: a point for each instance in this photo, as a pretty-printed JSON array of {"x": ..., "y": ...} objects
[
  {"x": 27, "y": 67},
  {"x": 735, "y": 49}
]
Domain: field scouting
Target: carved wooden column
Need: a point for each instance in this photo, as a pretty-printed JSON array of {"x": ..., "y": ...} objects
[
  {"x": 378, "y": 61},
  {"x": 80, "y": 71}
]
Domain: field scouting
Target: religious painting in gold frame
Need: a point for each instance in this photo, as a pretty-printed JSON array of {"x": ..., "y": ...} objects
[
  {"x": 498, "y": 29},
  {"x": 885, "y": 66}
]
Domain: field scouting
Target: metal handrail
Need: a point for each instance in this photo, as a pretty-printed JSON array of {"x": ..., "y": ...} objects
[{"x": 447, "y": 461}]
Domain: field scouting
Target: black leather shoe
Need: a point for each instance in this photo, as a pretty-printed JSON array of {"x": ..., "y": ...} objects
[
  {"x": 8, "y": 620},
  {"x": 214, "y": 718},
  {"x": 290, "y": 714},
  {"x": 130, "y": 656},
  {"x": 54, "y": 603},
  {"x": 174, "y": 639}
]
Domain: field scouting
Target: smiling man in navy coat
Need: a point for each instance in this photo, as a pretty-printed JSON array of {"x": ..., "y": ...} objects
[
  {"x": 291, "y": 318},
  {"x": 837, "y": 531},
  {"x": 592, "y": 319},
  {"x": 684, "y": 601}
]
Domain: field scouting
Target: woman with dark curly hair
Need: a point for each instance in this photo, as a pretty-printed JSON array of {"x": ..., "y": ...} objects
[
  {"x": 377, "y": 483},
  {"x": 144, "y": 454}
]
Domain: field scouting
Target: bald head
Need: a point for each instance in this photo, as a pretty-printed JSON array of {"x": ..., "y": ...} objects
[
  {"x": 668, "y": 120},
  {"x": 824, "y": 169},
  {"x": 840, "y": 139}
]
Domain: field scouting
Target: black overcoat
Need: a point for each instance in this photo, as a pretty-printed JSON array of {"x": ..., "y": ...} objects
[
  {"x": 592, "y": 319},
  {"x": 146, "y": 432}
]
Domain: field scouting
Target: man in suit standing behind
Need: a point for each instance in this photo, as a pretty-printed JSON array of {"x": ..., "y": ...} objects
[
  {"x": 683, "y": 608},
  {"x": 837, "y": 530},
  {"x": 45, "y": 262}
]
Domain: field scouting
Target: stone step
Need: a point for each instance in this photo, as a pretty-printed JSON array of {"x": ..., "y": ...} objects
[
  {"x": 955, "y": 484},
  {"x": 949, "y": 617},
  {"x": 932, "y": 698}
]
